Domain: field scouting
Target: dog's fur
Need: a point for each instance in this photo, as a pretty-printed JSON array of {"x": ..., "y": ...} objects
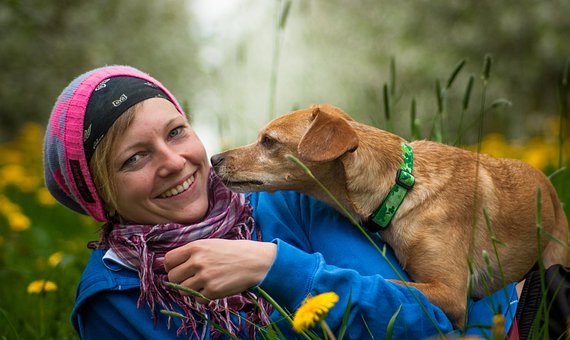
[{"x": 439, "y": 223}]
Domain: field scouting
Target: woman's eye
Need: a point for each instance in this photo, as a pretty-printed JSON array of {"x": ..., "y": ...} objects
[
  {"x": 132, "y": 160},
  {"x": 175, "y": 132}
]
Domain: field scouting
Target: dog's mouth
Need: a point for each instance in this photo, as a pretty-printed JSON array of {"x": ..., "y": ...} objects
[{"x": 238, "y": 184}]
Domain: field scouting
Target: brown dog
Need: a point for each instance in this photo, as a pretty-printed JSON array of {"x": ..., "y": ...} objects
[{"x": 439, "y": 223}]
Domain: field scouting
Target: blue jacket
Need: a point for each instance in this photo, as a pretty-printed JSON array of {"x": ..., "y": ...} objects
[{"x": 318, "y": 251}]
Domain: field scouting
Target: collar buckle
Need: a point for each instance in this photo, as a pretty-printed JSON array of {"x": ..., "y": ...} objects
[{"x": 405, "y": 179}]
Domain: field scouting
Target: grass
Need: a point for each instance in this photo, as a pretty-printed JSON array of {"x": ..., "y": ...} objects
[{"x": 33, "y": 227}]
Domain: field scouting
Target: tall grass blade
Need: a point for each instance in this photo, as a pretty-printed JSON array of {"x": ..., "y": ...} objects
[
  {"x": 281, "y": 15},
  {"x": 555, "y": 239},
  {"x": 484, "y": 76},
  {"x": 392, "y": 323},
  {"x": 467, "y": 94},
  {"x": 464, "y": 107},
  {"x": 556, "y": 173},
  {"x": 284, "y": 14},
  {"x": 280, "y": 309},
  {"x": 439, "y": 96},
  {"x": 186, "y": 290},
  {"x": 539, "y": 233},
  {"x": 367, "y": 328},
  {"x": 455, "y": 72},
  {"x": 387, "y": 108},
  {"x": 205, "y": 318},
  {"x": 487, "y": 67},
  {"x": 414, "y": 126},
  {"x": 16, "y": 334},
  {"x": 345, "y": 316},
  {"x": 438, "y": 121},
  {"x": 563, "y": 114},
  {"x": 392, "y": 76}
]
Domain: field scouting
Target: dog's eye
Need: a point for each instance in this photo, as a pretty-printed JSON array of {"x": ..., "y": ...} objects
[{"x": 267, "y": 141}]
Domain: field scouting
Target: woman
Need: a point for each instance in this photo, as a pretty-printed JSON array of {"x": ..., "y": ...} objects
[{"x": 119, "y": 148}]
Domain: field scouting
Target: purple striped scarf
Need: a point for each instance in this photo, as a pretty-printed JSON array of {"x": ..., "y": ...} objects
[{"x": 144, "y": 247}]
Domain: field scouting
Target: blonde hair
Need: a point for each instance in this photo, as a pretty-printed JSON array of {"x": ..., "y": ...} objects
[{"x": 101, "y": 165}]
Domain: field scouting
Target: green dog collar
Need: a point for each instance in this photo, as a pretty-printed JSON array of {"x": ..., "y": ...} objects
[{"x": 404, "y": 183}]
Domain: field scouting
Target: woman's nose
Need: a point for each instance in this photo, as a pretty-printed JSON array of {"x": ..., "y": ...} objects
[{"x": 170, "y": 161}]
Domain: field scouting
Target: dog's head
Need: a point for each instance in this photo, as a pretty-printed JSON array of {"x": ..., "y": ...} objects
[{"x": 318, "y": 136}]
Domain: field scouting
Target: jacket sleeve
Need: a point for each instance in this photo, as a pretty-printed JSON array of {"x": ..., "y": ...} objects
[
  {"x": 374, "y": 300},
  {"x": 320, "y": 251}
]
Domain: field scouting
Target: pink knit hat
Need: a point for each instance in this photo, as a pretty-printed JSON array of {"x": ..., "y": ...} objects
[{"x": 66, "y": 169}]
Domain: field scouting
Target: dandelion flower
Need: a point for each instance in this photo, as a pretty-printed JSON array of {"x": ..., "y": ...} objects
[
  {"x": 498, "y": 328},
  {"x": 313, "y": 311},
  {"x": 39, "y": 286},
  {"x": 55, "y": 258},
  {"x": 7, "y": 207},
  {"x": 12, "y": 173},
  {"x": 44, "y": 197},
  {"x": 18, "y": 221}
]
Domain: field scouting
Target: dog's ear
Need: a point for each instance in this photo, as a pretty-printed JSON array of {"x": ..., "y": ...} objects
[
  {"x": 328, "y": 137},
  {"x": 330, "y": 109}
]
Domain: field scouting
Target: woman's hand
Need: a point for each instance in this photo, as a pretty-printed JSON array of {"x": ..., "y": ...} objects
[{"x": 218, "y": 268}]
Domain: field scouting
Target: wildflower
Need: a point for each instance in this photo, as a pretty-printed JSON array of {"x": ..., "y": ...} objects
[
  {"x": 44, "y": 197},
  {"x": 28, "y": 184},
  {"x": 313, "y": 311},
  {"x": 12, "y": 173},
  {"x": 40, "y": 286},
  {"x": 7, "y": 207},
  {"x": 55, "y": 258},
  {"x": 498, "y": 328},
  {"x": 18, "y": 221}
]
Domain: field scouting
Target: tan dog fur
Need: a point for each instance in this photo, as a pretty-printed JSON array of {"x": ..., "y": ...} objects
[{"x": 431, "y": 232}]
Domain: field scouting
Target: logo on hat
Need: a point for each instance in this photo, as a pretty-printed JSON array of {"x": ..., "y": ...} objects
[
  {"x": 102, "y": 84},
  {"x": 87, "y": 133},
  {"x": 119, "y": 101}
]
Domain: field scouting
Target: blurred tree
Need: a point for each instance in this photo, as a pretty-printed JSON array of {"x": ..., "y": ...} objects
[
  {"x": 45, "y": 44},
  {"x": 527, "y": 39},
  {"x": 340, "y": 52}
]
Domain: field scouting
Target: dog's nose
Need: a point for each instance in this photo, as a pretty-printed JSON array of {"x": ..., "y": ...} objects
[{"x": 216, "y": 160}]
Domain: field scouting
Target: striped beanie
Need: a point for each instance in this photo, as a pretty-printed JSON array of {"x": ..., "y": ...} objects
[{"x": 66, "y": 168}]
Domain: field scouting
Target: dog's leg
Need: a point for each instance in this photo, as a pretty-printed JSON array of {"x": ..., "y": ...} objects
[{"x": 450, "y": 300}]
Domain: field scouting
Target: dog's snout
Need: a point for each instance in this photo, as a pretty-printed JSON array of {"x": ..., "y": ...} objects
[{"x": 217, "y": 160}]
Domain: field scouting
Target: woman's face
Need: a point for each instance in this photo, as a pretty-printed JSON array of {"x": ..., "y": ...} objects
[{"x": 160, "y": 167}]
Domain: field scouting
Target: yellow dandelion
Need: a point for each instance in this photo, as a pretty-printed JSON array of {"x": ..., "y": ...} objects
[
  {"x": 18, "y": 221},
  {"x": 55, "y": 258},
  {"x": 40, "y": 286},
  {"x": 7, "y": 207},
  {"x": 44, "y": 197},
  {"x": 498, "y": 328},
  {"x": 28, "y": 184},
  {"x": 313, "y": 311},
  {"x": 10, "y": 156},
  {"x": 12, "y": 173}
]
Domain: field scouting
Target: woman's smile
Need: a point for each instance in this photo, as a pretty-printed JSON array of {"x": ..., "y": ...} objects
[{"x": 178, "y": 189}]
